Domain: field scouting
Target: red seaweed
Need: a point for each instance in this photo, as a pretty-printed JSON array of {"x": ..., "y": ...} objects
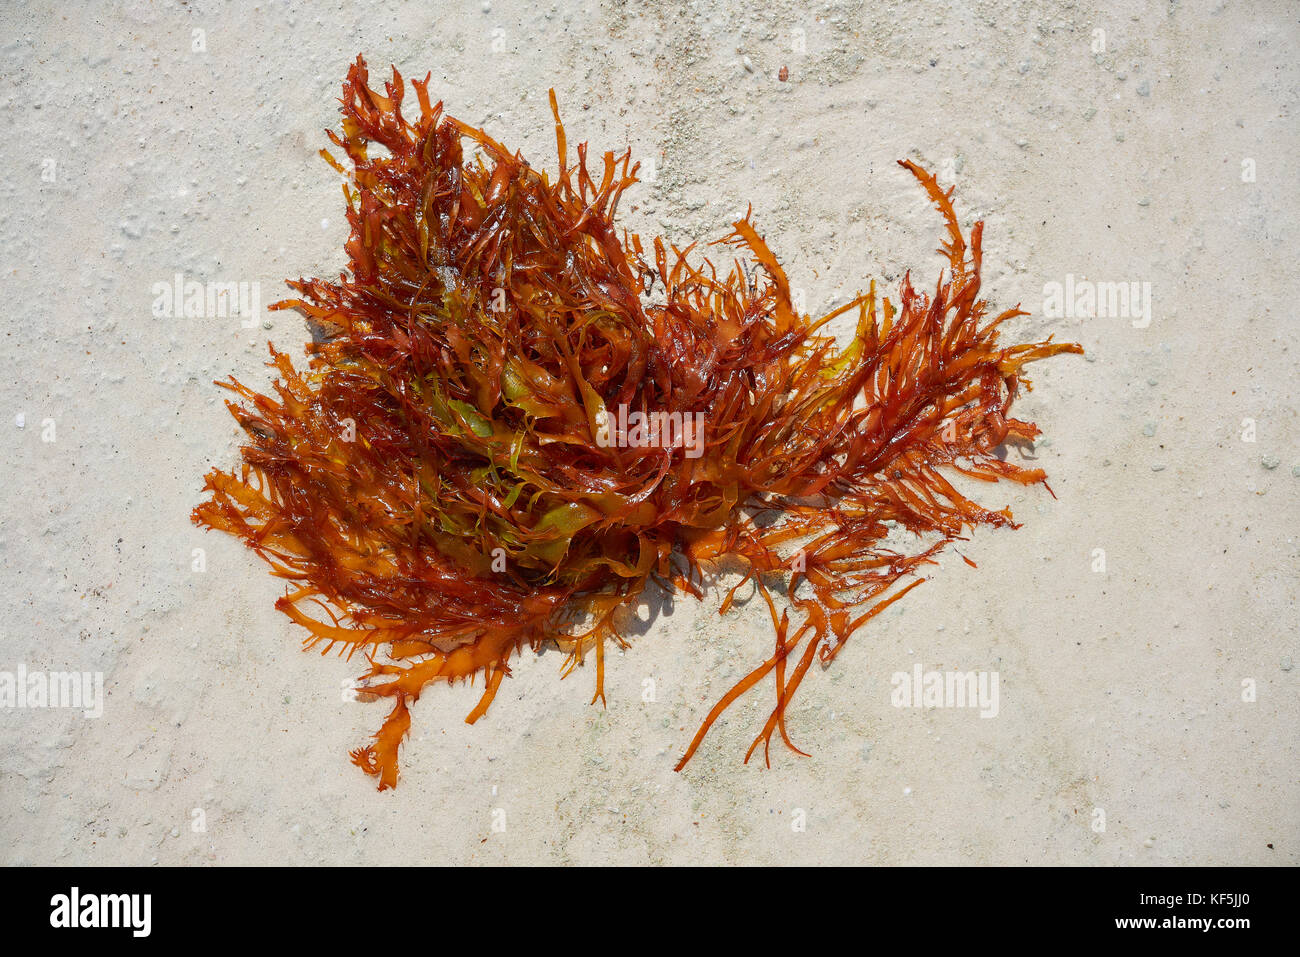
[{"x": 514, "y": 418}]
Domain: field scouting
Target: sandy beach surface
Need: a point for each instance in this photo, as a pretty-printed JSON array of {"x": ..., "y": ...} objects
[{"x": 1142, "y": 624}]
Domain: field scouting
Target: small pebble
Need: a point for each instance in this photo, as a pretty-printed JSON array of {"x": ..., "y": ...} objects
[
  {"x": 1270, "y": 462},
  {"x": 1157, "y": 468},
  {"x": 1286, "y": 663}
]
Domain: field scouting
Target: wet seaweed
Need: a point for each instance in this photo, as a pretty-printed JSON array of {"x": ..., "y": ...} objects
[{"x": 492, "y": 443}]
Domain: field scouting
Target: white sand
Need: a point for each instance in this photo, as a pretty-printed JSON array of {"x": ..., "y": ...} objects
[{"x": 1120, "y": 691}]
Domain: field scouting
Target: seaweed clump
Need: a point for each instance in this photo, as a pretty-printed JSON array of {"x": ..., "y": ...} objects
[{"x": 491, "y": 445}]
